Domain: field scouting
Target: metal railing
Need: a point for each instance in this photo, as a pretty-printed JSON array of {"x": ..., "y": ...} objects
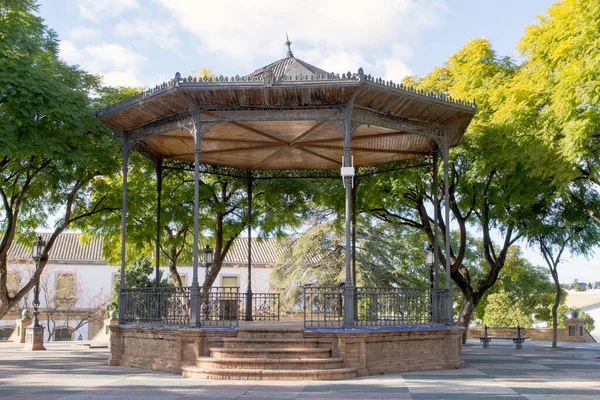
[
  {"x": 164, "y": 306},
  {"x": 265, "y": 306},
  {"x": 323, "y": 306},
  {"x": 394, "y": 306},
  {"x": 219, "y": 306}
]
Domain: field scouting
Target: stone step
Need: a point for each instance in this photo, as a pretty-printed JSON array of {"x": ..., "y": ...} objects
[
  {"x": 269, "y": 363},
  {"x": 232, "y": 343},
  {"x": 293, "y": 352},
  {"x": 192, "y": 371},
  {"x": 269, "y": 333}
]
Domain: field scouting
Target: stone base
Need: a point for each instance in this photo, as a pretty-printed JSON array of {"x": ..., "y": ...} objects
[
  {"x": 34, "y": 339},
  {"x": 365, "y": 351}
]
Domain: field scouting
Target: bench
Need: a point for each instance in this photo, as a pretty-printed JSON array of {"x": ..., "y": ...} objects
[{"x": 517, "y": 340}]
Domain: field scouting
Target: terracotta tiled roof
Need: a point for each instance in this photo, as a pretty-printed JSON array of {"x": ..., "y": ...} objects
[
  {"x": 264, "y": 251},
  {"x": 583, "y": 299},
  {"x": 68, "y": 248}
]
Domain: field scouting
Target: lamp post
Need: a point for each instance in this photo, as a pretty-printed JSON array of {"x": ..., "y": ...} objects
[
  {"x": 207, "y": 258},
  {"x": 34, "y": 337},
  {"x": 430, "y": 261}
]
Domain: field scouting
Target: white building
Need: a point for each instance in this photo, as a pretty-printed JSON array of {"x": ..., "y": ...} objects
[
  {"x": 588, "y": 302},
  {"x": 77, "y": 282}
]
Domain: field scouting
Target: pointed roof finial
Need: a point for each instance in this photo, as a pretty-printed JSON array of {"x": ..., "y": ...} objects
[{"x": 288, "y": 44}]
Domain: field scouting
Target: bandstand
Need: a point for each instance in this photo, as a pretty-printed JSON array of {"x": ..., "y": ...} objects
[{"x": 289, "y": 119}]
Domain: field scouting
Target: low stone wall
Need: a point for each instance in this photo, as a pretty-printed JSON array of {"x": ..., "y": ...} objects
[
  {"x": 542, "y": 334},
  {"x": 371, "y": 351},
  {"x": 377, "y": 352},
  {"x": 162, "y": 349}
]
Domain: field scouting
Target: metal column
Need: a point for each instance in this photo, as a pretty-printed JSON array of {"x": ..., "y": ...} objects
[
  {"x": 159, "y": 177},
  {"x": 446, "y": 155},
  {"x": 249, "y": 289},
  {"x": 123, "y": 227},
  {"x": 348, "y": 181},
  {"x": 436, "y": 224},
  {"x": 195, "y": 295}
]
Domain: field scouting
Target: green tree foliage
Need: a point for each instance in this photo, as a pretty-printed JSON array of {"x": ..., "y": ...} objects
[
  {"x": 137, "y": 275},
  {"x": 564, "y": 313},
  {"x": 527, "y": 284},
  {"x": 491, "y": 184},
  {"x": 52, "y": 149},
  {"x": 223, "y": 207},
  {"x": 316, "y": 257},
  {"x": 504, "y": 311}
]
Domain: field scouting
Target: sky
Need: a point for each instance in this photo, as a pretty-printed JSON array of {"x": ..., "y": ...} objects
[{"x": 145, "y": 42}]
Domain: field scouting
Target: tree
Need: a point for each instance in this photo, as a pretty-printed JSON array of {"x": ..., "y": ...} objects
[
  {"x": 52, "y": 149},
  {"x": 137, "y": 275},
  {"x": 315, "y": 257},
  {"x": 524, "y": 283},
  {"x": 564, "y": 226},
  {"x": 72, "y": 308},
  {"x": 504, "y": 311},
  {"x": 492, "y": 181}
]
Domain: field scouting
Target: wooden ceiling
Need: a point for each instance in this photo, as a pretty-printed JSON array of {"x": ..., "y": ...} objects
[{"x": 291, "y": 144}]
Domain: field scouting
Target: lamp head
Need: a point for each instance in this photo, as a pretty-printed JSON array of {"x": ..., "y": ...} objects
[
  {"x": 207, "y": 255},
  {"x": 38, "y": 248},
  {"x": 429, "y": 255}
]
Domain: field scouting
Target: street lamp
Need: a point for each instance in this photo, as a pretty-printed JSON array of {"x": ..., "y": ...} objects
[
  {"x": 207, "y": 258},
  {"x": 429, "y": 261},
  {"x": 35, "y": 336}
]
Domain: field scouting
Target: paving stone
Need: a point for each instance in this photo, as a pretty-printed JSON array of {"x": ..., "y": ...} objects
[{"x": 65, "y": 373}]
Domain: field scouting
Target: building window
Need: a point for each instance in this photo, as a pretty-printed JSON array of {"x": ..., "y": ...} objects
[
  {"x": 65, "y": 287},
  {"x": 230, "y": 284},
  {"x": 62, "y": 334},
  {"x": 581, "y": 331},
  {"x": 571, "y": 330}
]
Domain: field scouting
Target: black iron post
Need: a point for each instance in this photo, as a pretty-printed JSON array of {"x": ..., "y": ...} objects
[
  {"x": 249, "y": 289},
  {"x": 159, "y": 178},
  {"x": 34, "y": 337}
]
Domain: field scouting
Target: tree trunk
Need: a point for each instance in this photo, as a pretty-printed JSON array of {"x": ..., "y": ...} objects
[
  {"x": 466, "y": 313},
  {"x": 557, "y": 296},
  {"x": 173, "y": 267}
]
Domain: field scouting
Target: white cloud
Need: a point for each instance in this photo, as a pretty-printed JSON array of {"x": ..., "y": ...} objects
[
  {"x": 117, "y": 64},
  {"x": 83, "y": 34},
  {"x": 162, "y": 34},
  {"x": 96, "y": 9},
  {"x": 339, "y": 31}
]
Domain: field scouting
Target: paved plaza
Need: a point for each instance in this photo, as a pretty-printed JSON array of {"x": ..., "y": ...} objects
[{"x": 72, "y": 371}]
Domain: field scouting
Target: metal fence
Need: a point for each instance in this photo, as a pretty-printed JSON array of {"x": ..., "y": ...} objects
[
  {"x": 323, "y": 306},
  {"x": 395, "y": 306},
  {"x": 219, "y": 306},
  {"x": 164, "y": 306},
  {"x": 265, "y": 306}
]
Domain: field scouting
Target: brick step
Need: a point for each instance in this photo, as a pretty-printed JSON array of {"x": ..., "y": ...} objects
[
  {"x": 269, "y": 363},
  {"x": 293, "y": 352},
  {"x": 232, "y": 343},
  {"x": 269, "y": 333},
  {"x": 192, "y": 371}
]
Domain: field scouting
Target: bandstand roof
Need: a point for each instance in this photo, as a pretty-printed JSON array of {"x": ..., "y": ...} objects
[{"x": 288, "y": 115}]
